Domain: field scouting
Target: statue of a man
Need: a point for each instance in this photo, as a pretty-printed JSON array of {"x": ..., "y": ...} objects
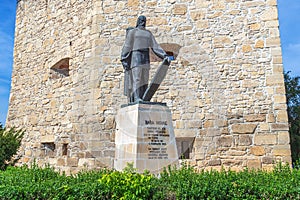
[{"x": 136, "y": 59}]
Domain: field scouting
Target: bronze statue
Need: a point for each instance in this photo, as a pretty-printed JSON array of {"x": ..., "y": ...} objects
[{"x": 136, "y": 60}]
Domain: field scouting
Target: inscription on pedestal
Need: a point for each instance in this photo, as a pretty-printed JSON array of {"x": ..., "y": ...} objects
[
  {"x": 145, "y": 137},
  {"x": 157, "y": 136}
]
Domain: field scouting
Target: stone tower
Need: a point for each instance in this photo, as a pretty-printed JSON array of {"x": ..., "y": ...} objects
[{"x": 225, "y": 87}]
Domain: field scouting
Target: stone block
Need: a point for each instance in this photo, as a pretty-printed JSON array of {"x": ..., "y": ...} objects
[
  {"x": 191, "y": 124},
  {"x": 185, "y": 133},
  {"x": 249, "y": 83},
  {"x": 214, "y": 162},
  {"x": 255, "y": 118},
  {"x": 278, "y": 69},
  {"x": 220, "y": 41},
  {"x": 257, "y": 150},
  {"x": 133, "y": 3},
  {"x": 255, "y": 26},
  {"x": 236, "y": 153},
  {"x": 259, "y": 44},
  {"x": 86, "y": 162},
  {"x": 270, "y": 118},
  {"x": 28, "y": 153},
  {"x": 254, "y": 164},
  {"x": 264, "y": 127},
  {"x": 268, "y": 160},
  {"x": 157, "y": 21},
  {"x": 61, "y": 162},
  {"x": 210, "y": 132},
  {"x": 283, "y": 137},
  {"x": 243, "y": 128},
  {"x": 208, "y": 124},
  {"x": 265, "y": 139},
  {"x": 202, "y": 24},
  {"x": 179, "y": 124},
  {"x": 272, "y": 42},
  {"x": 197, "y": 15},
  {"x": 274, "y": 80},
  {"x": 245, "y": 140},
  {"x": 279, "y": 127},
  {"x": 246, "y": 48},
  {"x": 277, "y": 60},
  {"x": 282, "y": 150},
  {"x": 151, "y": 3},
  {"x": 72, "y": 162},
  {"x": 272, "y": 2},
  {"x": 279, "y": 99},
  {"x": 225, "y": 141},
  {"x": 47, "y": 138},
  {"x": 282, "y": 116},
  {"x": 180, "y": 9},
  {"x": 269, "y": 14}
]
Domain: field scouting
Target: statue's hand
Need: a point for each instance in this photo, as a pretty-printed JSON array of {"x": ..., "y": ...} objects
[{"x": 167, "y": 60}]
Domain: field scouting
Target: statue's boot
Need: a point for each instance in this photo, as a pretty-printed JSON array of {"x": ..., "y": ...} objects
[{"x": 137, "y": 95}]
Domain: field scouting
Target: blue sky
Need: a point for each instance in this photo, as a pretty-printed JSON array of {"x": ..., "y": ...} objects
[{"x": 289, "y": 29}]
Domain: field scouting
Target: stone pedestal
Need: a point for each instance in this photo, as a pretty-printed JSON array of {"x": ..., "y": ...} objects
[{"x": 145, "y": 136}]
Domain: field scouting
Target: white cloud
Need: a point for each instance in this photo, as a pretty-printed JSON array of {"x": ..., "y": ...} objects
[{"x": 294, "y": 47}]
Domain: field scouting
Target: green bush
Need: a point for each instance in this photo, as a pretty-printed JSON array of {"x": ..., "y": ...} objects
[
  {"x": 185, "y": 183},
  {"x": 10, "y": 141}
]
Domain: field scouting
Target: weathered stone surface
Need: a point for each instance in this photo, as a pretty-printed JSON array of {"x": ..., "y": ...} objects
[
  {"x": 243, "y": 128},
  {"x": 214, "y": 162},
  {"x": 180, "y": 9},
  {"x": 265, "y": 139},
  {"x": 47, "y": 138},
  {"x": 268, "y": 160},
  {"x": 226, "y": 81},
  {"x": 133, "y": 3},
  {"x": 270, "y": 14},
  {"x": 257, "y": 150},
  {"x": 255, "y": 118},
  {"x": 245, "y": 140},
  {"x": 254, "y": 164},
  {"x": 279, "y": 127},
  {"x": 259, "y": 44},
  {"x": 282, "y": 150},
  {"x": 246, "y": 48},
  {"x": 225, "y": 141},
  {"x": 72, "y": 162},
  {"x": 283, "y": 137}
]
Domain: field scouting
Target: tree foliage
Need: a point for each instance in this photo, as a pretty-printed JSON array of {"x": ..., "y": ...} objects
[
  {"x": 292, "y": 87},
  {"x": 10, "y": 141}
]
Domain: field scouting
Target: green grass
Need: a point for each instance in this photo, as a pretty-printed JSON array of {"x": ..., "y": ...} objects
[{"x": 184, "y": 183}]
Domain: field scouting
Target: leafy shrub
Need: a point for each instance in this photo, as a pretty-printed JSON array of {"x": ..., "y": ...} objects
[
  {"x": 10, "y": 141},
  {"x": 185, "y": 183}
]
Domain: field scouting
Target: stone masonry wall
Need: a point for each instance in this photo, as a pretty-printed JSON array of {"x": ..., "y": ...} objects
[{"x": 225, "y": 88}]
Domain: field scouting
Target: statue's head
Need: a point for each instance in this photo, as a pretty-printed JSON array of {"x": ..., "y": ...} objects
[{"x": 141, "y": 21}]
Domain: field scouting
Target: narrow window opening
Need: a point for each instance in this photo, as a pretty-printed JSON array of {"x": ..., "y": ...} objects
[
  {"x": 48, "y": 149},
  {"x": 184, "y": 147},
  {"x": 60, "y": 69},
  {"x": 65, "y": 149}
]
